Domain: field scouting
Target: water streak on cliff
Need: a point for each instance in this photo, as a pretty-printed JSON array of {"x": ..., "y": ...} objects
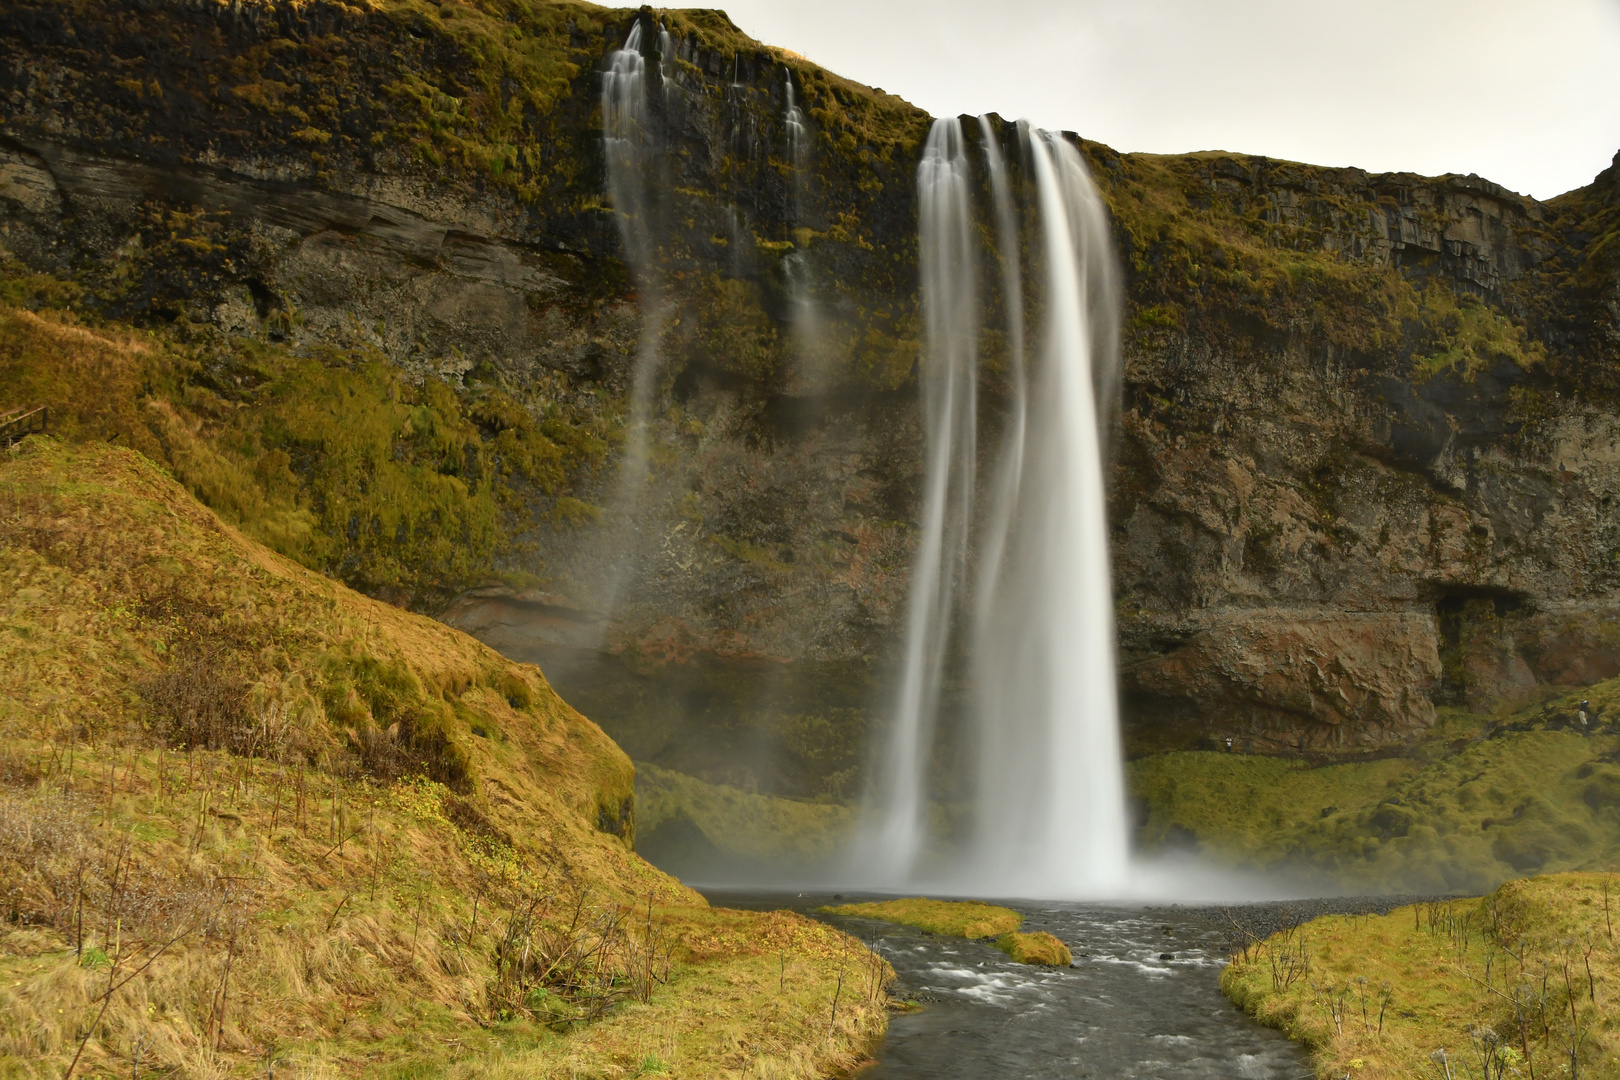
[
  {"x": 804, "y": 316},
  {"x": 1048, "y": 815},
  {"x": 629, "y": 154},
  {"x": 798, "y": 148}
]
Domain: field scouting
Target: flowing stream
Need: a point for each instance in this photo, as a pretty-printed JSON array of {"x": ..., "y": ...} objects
[
  {"x": 1011, "y": 574},
  {"x": 1142, "y": 1000}
]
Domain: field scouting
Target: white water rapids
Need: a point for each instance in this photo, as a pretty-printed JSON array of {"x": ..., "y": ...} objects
[{"x": 1011, "y": 573}]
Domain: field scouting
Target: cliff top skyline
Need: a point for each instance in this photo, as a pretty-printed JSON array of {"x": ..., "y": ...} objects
[{"x": 1525, "y": 95}]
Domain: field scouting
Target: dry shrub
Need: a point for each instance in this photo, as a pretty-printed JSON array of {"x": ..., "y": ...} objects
[
  {"x": 44, "y": 849},
  {"x": 566, "y": 958},
  {"x": 61, "y": 871},
  {"x": 200, "y": 698},
  {"x": 199, "y": 706}
]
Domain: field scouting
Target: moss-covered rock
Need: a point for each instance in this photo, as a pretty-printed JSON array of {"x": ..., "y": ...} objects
[
  {"x": 1037, "y": 948},
  {"x": 1475, "y": 804}
]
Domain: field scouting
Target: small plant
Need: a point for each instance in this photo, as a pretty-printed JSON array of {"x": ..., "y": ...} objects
[{"x": 651, "y": 1065}]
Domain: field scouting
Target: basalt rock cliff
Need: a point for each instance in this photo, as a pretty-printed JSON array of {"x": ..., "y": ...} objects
[{"x": 1367, "y": 453}]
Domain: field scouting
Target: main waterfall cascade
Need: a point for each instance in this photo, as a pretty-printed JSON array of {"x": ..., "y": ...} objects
[{"x": 1035, "y": 624}]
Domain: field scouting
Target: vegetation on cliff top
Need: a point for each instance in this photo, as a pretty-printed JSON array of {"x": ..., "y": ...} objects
[
  {"x": 214, "y": 775},
  {"x": 1575, "y": 300},
  {"x": 1223, "y": 246},
  {"x": 1524, "y": 982}
]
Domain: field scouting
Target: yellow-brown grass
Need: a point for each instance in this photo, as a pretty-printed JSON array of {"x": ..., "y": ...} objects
[
  {"x": 299, "y": 906},
  {"x": 1507, "y": 985}
]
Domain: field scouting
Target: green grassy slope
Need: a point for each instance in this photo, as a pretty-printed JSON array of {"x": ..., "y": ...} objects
[
  {"x": 321, "y": 830},
  {"x": 1523, "y": 982}
]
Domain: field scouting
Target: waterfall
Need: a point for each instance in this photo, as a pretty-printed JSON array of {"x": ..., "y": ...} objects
[
  {"x": 798, "y": 148},
  {"x": 1048, "y": 813},
  {"x": 1051, "y": 793},
  {"x": 1010, "y": 471},
  {"x": 804, "y": 318},
  {"x": 624, "y": 141},
  {"x": 897, "y": 819},
  {"x": 628, "y": 153}
]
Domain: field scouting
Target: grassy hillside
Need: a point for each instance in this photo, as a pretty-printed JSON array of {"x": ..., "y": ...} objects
[
  {"x": 1524, "y": 982},
  {"x": 249, "y": 818}
]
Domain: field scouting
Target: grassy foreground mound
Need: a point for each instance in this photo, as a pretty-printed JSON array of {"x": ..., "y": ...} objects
[
  {"x": 1524, "y": 982},
  {"x": 966, "y": 919},
  {"x": 252, "y": 820}
]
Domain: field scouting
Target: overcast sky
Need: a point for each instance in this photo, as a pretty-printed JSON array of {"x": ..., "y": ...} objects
[{"x": 1523, "y": 92}]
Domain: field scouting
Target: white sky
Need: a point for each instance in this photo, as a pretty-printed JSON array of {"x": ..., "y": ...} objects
[{"x": 1522, "y": 92}]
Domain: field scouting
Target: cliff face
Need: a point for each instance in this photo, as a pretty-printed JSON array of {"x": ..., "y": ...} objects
[
  {"x": 1367, "y": 445},
  {"x": 1390, "y": 489}
]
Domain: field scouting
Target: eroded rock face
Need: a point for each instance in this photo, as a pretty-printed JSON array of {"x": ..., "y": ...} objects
[
  {"x": 1316, "y": 539},
  {"x": 1294, "y": 679},
  {"x": 1368, "y": 447}
]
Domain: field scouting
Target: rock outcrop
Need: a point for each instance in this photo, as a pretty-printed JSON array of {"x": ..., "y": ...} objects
[{"x": 1367, "y": 452}]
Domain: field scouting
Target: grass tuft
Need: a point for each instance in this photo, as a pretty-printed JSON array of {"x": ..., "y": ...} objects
[{"x": 1037, "y": 948}]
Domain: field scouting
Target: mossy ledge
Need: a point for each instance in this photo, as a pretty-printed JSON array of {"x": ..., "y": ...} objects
[{"x": 330, "y": 833}]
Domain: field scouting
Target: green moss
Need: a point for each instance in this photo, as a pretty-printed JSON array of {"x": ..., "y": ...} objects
[
  {"x": 758, "y": 827},
  {"x": 1464, "y": 811},
  {"x": 1468, "y": 337}
]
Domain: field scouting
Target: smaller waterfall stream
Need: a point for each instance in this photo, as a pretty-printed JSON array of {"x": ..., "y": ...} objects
[
  {"x": 1036, "y": 629},
  {"x": 629, "y": 154},
  {"x": 798, "y": 148},
  {"x": 798, "y": 278}
]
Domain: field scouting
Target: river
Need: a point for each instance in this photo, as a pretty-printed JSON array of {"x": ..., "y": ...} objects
[{"x": 1142, "y": 998}]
